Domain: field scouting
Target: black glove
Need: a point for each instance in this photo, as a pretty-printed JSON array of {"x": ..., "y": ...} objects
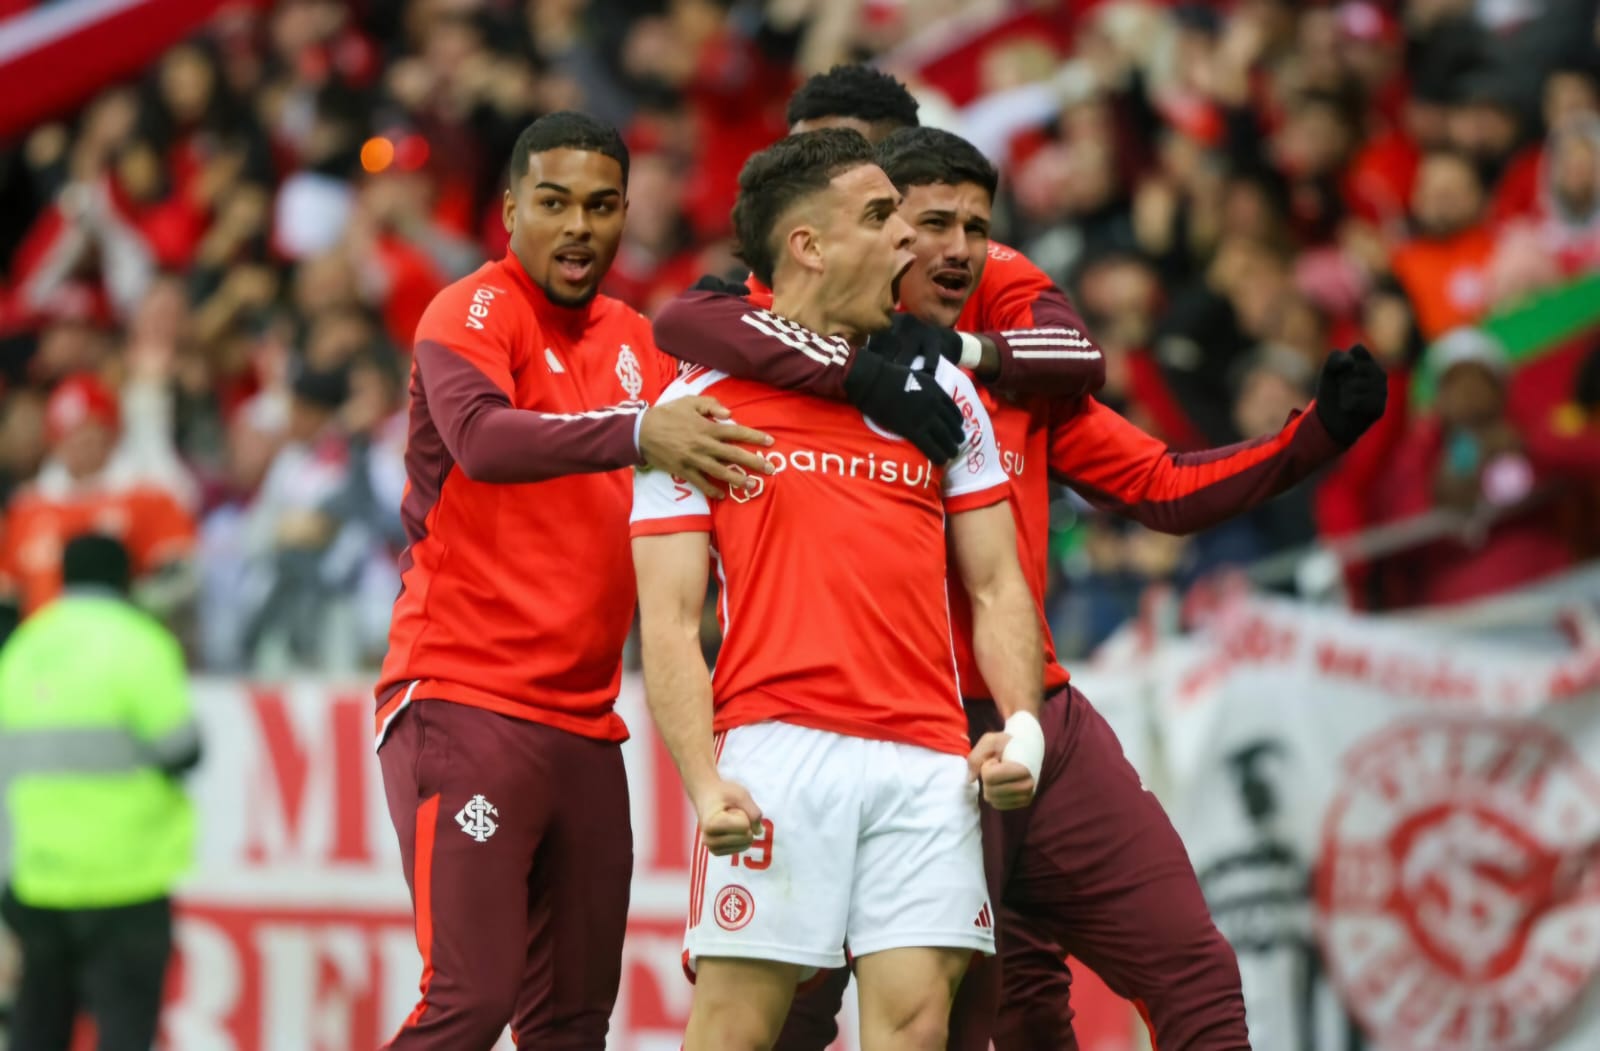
[
  {"x": 909, "y": 337},
  {"x": 1351, "y": 394},
  {"x": 713, "y": 283},
  {"x": 908, "y": 402}
]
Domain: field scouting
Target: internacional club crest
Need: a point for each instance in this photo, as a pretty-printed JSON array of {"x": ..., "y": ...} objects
[
  {"x": 734, "y": 908},
  {"x": 477, "y": 818},
  {"x": 1456, "y": 899},
  {"x": 628, "y": 373}
]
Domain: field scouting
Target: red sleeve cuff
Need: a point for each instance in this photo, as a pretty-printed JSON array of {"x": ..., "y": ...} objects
[
  {"x": 1319, "y": 442},
  {"x": 668, "y": 526},
  {"x": 978, "y": 498}
]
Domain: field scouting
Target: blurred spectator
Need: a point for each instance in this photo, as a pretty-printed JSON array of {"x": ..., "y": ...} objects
[
  {"x": 1230, "y": 190},
  {"x": 1444, "y": 268},
  {"x": 85, "y": 485},
  {"x": 268, "y": 603},
  {"x": 1468, "y": 457},
  {"x": 1561, "y": 240},
  {"x": 1273, "y": 383},
  {"x": 1214, "y": 323}
]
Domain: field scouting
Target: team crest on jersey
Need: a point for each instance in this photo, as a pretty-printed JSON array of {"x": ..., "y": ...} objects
[
  {"x": 1000, "y": 253},
  {"x": 734, "y": 908},
  {"x": 1457, "y": 905},
  {"x": 744, "y": 494},
  {"x": 628, "y": 373}
]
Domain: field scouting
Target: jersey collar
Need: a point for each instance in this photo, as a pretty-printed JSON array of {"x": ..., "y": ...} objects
[{"x": 568, "y": 319}]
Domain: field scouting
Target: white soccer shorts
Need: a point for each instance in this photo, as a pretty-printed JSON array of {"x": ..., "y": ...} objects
[{"x": 870, "y": 844}]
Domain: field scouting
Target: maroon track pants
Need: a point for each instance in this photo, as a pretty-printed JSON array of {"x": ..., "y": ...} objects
[
  {"x": 519, "y": 853},
  {"x": 1093, "y": 869}
]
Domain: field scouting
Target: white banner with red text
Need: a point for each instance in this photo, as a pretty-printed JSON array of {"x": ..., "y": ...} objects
[
  {"x": 294, "y": 931},
  {"x": 1396, "y": 823}
]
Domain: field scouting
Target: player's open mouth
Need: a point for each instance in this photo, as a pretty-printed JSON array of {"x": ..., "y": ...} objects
[
  {"x": 952, "y": 283},
  {"x": 894, "y": 286},
  {"x": 575, "y": 264}
]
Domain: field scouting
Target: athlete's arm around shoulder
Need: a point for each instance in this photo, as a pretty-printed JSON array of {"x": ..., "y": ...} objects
[
  {"x": 718, "y": 330},
  {"x": 472, "y": 342},
  {"x": 1033, "y": 340},
  {"x": 671, "y": 560}
]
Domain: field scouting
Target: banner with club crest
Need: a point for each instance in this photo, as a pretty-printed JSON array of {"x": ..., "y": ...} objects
[{"x": 1396, "y": 822}]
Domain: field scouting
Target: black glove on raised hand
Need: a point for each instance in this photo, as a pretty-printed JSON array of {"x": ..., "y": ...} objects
[
  {"x": 906, "y": 401},
  {"x": 713, "y": 283},
  {"x": 1351, "y": 393}
]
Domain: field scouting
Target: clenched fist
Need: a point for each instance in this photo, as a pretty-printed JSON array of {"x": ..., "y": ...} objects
[
  {"x": 729, "y": 818},
  {"x": 1006, "y": 785}
]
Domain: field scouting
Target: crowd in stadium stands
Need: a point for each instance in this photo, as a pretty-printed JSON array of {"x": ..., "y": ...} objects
[{"x": 212, "y": 274}]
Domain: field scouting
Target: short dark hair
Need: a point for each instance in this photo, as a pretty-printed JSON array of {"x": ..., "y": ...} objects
[
  {"x": 774, "y": 180},
  {"x": 566, "y": 130},
  {"x": 926, "y": 156},
  {"x": 857, "y": 91},
  {"x": 96, "y": 560}
]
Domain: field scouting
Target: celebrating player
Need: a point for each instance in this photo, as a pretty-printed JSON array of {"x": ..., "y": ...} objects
[
  {"x": 835, "y": 801},
  {"x": 1043, "y": 349},
  {"x": 496, "y": 730},
  {"x": 1098, "y": 867}
]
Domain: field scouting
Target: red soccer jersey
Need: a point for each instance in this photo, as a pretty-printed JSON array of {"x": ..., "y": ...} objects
[
  {"x": 1042, "y": 435},
  {"x": 517, "y": 585},
  {"x": 832, "y": 573}
]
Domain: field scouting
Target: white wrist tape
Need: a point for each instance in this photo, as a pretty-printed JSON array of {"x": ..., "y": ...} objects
[
  {"x": 1027, "y": 743},
  {"x": 971, "y": 351}
]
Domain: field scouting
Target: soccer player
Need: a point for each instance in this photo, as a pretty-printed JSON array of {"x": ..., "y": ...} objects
[
  {"x": 1042, "y": 350},
  {"x": 1098, "y": 867},
  {"x": 835, "y": 799},
  {"x": 496, "y": 731}
]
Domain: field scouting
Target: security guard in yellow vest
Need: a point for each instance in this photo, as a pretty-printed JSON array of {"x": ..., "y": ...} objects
[{"x": 95, "y": 728}]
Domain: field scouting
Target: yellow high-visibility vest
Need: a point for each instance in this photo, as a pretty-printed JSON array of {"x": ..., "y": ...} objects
[{"x": 94, "y": 701}]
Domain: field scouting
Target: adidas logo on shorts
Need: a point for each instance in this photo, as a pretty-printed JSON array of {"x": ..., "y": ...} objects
[{"x": 985, "y": 921}]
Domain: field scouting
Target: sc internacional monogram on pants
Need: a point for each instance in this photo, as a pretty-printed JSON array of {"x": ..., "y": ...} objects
[{"x": 476, "y": 818}]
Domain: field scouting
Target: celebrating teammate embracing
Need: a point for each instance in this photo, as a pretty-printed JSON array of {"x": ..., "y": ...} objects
[
  {"x": 496, "y": 733},
  {"x": 1094, "y": 868},
  {"x": 836, "y": 805}
]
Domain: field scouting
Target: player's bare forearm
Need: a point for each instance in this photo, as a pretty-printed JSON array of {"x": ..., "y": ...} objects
[
  {"x": 732, "y": 335},
  {"x": 671, "y": 571},
  {"x": 1005, "y": 622}
]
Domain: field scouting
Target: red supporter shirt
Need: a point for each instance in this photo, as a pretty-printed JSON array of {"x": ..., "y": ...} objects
[
  {"x": 832, "y": 573},
  {"x": 1072, "y": 439},
  {"x": 1447, "y": 279},
  {"x": 152, "y": 525},
  {"x": 517, "y": 582}
]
